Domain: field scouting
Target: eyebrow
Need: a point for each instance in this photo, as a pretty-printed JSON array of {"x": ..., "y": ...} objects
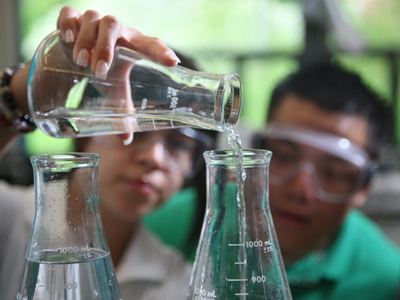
[{"x": 288, "y": 143}]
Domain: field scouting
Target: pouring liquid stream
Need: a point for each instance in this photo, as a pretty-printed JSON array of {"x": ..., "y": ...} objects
[{"x": 235, "y": 144}]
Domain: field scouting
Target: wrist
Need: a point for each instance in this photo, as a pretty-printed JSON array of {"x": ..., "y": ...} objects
[
  {"x": 12, "y": 113},
  {"x": 19, "y": 88}
]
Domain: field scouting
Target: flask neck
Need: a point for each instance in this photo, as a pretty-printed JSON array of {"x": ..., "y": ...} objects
[
  {"x": 228, "y": 102},
  {"x": 67, "y": 213}
]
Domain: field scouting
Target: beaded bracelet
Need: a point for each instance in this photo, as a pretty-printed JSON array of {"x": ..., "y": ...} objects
[{"x": 10, "y": 113}]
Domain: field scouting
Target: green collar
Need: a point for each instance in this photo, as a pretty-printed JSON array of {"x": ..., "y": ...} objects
[{"x": 330, "y": 264}]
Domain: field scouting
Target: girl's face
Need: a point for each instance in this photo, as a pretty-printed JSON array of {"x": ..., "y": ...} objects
[{"x": 136, "y": 179}]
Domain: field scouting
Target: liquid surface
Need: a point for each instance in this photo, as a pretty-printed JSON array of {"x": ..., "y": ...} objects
[
  {"x": 87, "y": 280},
  {"x": 63, "y": 123}
]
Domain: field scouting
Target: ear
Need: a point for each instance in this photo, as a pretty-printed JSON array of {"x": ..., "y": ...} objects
[{"x": 360, "y": 197}]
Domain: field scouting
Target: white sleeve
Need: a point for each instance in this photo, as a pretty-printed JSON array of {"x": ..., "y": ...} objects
[{"x": 14, "y": 236}]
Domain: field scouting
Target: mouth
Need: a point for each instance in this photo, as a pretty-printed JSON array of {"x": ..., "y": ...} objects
[
  {"x": 292, "y": 219},
  {"x": 142, "y": 187}
]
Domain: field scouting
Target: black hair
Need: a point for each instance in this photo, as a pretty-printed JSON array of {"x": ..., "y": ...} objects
[{"x": 334, "y": 88}]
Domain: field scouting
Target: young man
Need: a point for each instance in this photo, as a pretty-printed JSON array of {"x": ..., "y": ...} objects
[{"x": 325, "y": 128}]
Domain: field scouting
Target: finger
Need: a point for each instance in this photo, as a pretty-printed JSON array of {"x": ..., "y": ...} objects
[
  {"x": 152, "y": 47},
  {"x": 68, "y": 22},
  {"x": 86, "y": 38},
  {"x": 127, "y": 138},
  {"x": 157, "y": 50},
  {"x": 108, "y": 33}
]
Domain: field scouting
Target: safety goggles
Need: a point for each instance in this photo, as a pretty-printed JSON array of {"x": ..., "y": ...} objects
[
  {"x": 337, "y": 167},
  {"x": 181, "y": 149}
]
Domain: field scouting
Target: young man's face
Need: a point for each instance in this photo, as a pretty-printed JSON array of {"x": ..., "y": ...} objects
[{"x": 304, "y": 223}]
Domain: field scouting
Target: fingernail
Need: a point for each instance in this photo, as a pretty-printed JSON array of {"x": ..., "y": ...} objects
[
  {"x": 101, "y": 69},
  {"x": 172, "y": 55},
  {"x": 69, "y": 36},
  {"x": 128, "y": 140},
  {"x": 83, "y": 58}
]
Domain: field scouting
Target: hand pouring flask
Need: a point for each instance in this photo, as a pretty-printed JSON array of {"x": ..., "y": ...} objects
[{"x": 67, "y": 100}]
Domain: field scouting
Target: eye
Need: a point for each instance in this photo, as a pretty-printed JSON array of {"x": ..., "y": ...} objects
[
  {"x": 331, "y": 173},
  {"x": 281, "y": 153},
  {"x": 338, "y": 172},
  {"x": 178, "y": 145},
  {"x": 284, "y": 156}
]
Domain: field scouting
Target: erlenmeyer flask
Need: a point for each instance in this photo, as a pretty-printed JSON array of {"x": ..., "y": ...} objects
[
  {"x": 238, "y": 256},
  {"x": 66, "y": 100},
  {"x": 68, "y": 256}
]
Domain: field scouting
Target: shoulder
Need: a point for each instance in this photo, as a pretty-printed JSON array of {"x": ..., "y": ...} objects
[
  {"x": 152, "y": 270},
  {"x": 370, "y": 240},
  {"x": 153, "y": 259},
  {"x": 163, "y": 253},
  {"x": 17, "y": 202},
  {"x": 14, "y": 236},
  {"x": 372, "y": 259}
]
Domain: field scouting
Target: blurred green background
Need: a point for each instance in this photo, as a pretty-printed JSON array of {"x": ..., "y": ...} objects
[{"x": 261, "y": 40}]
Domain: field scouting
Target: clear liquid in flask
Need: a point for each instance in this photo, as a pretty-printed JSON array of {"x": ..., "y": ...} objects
[{"x": 51, "y": 278}]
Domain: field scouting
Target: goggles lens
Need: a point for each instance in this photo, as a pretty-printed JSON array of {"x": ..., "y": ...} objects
[{"x": 336, "y": 166}]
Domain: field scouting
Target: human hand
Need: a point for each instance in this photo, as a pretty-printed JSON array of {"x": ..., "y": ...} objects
[{"x": 95, "y": 38}]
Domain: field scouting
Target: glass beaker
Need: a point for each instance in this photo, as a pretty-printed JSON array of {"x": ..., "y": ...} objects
[
  {"x": 67, "y": 256},
  {"x": 66, "y": 100},
  {"x": 238, "y": 256}
]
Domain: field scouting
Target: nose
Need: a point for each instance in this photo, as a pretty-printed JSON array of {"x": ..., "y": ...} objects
[
  {"x": 301, "y": 185},
  {"x": 153, "y": 155}
]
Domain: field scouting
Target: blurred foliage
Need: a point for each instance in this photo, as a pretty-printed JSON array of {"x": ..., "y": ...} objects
[
  {"x": 212, "y": 32},
  {"x": 375, "y": 70},
  {"x": 377, "y": 20},
  {"x": 190, "y": 26},
  {"x": 265, "y": 73},
  {"x": 215, "y": 33}
]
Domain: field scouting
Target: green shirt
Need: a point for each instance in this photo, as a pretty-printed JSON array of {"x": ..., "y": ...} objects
[{"x": 361, "y": 264}]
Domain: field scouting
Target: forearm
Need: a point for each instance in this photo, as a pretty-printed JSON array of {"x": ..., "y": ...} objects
[
  {"x": 97, "y": 36},
  {"x": 18, "y": 87}
]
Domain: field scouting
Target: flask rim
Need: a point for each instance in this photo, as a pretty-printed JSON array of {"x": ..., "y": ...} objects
[
  {"x": 229, "y": 104},
  {"x": 227, "y": 157},
  {"x": 80, "y": 159}
]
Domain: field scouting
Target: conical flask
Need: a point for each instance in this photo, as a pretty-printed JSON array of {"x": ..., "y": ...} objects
[
  {"x": 238, "y": 256},
  {"x": 67, "y": 100},
  {"x": 68, "y": 256}
]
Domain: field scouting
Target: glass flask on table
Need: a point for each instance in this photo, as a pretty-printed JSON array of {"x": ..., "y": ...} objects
[
  {"x": 68, "y": 256},
  {"x": 238, "y": 255}
]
